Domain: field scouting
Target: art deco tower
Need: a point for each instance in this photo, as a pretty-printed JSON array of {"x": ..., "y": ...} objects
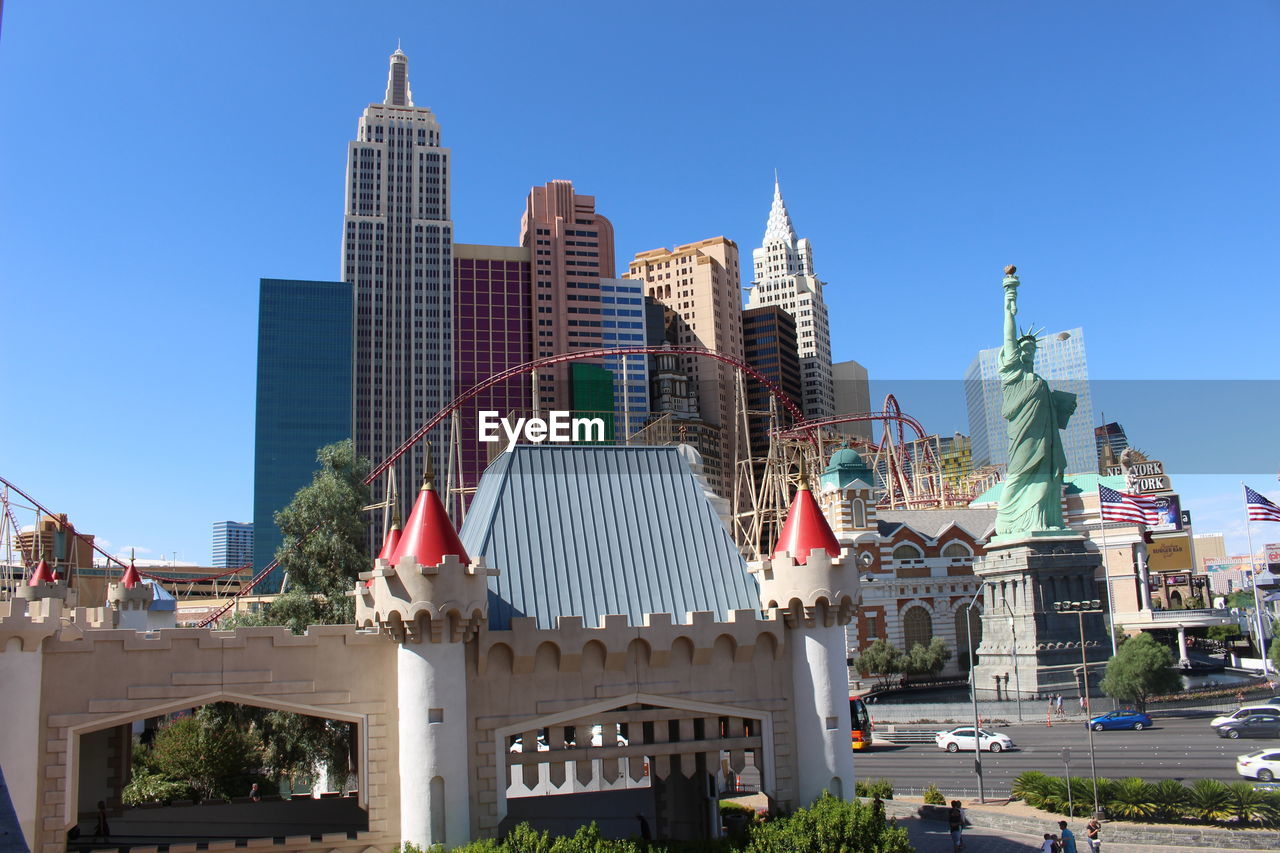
[
  {"x": 784, "y": 276},
  {"x": 397, "y": 252}
]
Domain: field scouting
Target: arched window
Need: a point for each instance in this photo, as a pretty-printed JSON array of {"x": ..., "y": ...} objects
[
  {"x": 963, "y": 629},
  {"x": 917, "y": 627},
  {"x": 956, "y": 549},
  {"x": 907, "y": 552},
  {"x": 859, "y": 513}
]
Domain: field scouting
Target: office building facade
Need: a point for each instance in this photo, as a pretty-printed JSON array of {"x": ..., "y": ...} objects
[
  {"x": 1060, "y": 359},
  {"x": 769, "y": 346},
  {"x": 303, "y": 395},
  {"x": 852, "y": 387},
  {"x": 698, "y": 285},
  {"x": 622, "y": 324},
  {"x": 232, "y": 544},
  {"x": 397, "y": 251},
  {"x": 784, "y": 276},
  {"x": 1110, "y": 441}
]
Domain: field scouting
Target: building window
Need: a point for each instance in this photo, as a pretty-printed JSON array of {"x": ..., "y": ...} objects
[
  {"x": 957, "y": 549},
  {"x": 907, "y": 552},
  {"x": 917, "y": 627}
]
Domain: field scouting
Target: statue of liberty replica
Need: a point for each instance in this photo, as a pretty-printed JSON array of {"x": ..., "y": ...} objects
[{"x": 1034, "y": 561}]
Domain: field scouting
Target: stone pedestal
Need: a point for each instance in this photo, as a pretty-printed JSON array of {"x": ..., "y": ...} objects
[{"x": 1023, "y": 578}]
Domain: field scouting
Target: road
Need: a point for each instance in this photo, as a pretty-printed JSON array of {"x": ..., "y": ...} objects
[{"x": 1175, "y": 748}]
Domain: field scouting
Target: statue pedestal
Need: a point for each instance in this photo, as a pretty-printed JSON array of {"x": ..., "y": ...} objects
[{"x": 1024, "y": 576}]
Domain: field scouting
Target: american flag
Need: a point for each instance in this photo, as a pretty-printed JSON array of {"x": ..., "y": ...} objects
[
  {"x": 1121, "y": 506},
  {"x": 1260, "y": 509}
]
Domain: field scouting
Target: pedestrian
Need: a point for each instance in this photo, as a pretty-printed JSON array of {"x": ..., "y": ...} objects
[
  {"x": 255, "y": 795},
  {"x": 1050, "y": 844},
  {"x": 102, "y": 829},
  {"x": 1084, "y": 705},
  {"x": 955, "y": 822},
  {"x": 1068, "y": 838},
  {"x": 1091, "y": 830},
  {"x": 1061, "y": 711},
  {"x": 877, "y": 808}
]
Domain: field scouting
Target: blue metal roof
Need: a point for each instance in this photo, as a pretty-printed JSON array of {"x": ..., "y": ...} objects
[{"x": 594, "y": 531}]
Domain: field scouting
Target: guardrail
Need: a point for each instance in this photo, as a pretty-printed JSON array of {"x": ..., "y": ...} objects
[
  {"x": 1180, "y": 615},
  {"x": 906, "y": 736}
]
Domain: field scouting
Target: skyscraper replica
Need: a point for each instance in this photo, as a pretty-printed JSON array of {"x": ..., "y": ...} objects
[
  {"x": 397, "y": 252},
  {"x": 1060, "y": 359},
  {"x": 232, "y": 544},
  {"x": 784, "y": 276}
]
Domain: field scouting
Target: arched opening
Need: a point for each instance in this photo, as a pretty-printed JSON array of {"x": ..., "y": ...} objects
[
  {"x": 859, "y": 513},
  {"x": 1175, "y": 600},
  {"x": 968, "y": 627},
  {"x": 917, "y": 627},
  {"x": 956, "y": 550},
  {"x": 907, "y": 551},
  {"x": 436, "y": 803}
]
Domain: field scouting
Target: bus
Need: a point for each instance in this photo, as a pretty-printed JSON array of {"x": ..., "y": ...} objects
[{"x": 860, "y": 718}]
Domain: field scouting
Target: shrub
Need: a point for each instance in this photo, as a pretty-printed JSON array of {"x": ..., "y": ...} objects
[
  {"x": 1030, "y": 787},
  {"x": 934, "y": 797},
  {"x": 1250, "y": 806},
  {"x": 148, "y": 787},
  {"x": 1209, "y": 800},
  {"x": 1171, "y": 800},
  {"x": 829, "y": 826},
  {"x": 525, "y": 839},
  {"x": 1132, "y": 799},
  {"x": 881, "y": 788}
]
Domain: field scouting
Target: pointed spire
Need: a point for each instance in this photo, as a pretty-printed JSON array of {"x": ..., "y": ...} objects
[
  {"x": 398, "y": 93},
  {"x": 806, "y": 529},
  {"x": 429, "y": 534},
  {"x": 779, "y": 225},
  {"x": 130, "y": 579},
  {"x": 42, "y": 574},
  {"x": 393, "y": 537}
]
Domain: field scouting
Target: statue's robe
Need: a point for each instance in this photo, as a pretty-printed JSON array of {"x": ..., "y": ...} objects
[{"x": 1031, "y": 497}]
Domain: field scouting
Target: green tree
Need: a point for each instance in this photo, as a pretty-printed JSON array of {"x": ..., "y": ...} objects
[
  {"x": 880, "y": 660},
  {"x": 1274, "y": 654},
  {"x": 1242, "y": 600},
  {"x": 324, "y": 542},
  {"x": 1140, "y": 669},
  {"x": 927, "y": 660},
  {"x": 830, "y": 826},
  {"x": 208, "y": 759},
  {"x": 1223, "y": 633}
]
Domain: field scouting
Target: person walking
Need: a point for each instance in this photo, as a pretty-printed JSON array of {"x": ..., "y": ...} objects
[
  {"x": 1067, "y": 838},
  {"x": 955, "y": 822},
  {"x": 1062, "y": 713},
  {"x": 1050, "y": 844},
  {"x": 1091, "y": 830},
  {"x": 1084, "y": 705},
  {"x": 255, "y": 793}
]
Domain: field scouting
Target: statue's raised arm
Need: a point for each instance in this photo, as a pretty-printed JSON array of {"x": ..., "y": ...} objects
[{"x": 1010, "y": 309}]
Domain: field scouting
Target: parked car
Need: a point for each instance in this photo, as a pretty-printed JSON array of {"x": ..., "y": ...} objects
[
  {"x": 1263, "y": 765},
  {"x": 1122, "y": 719},
  {"x": 1242, "y": 712},
  {"x": 1254, "y": 725},
  {"x": 962, "y": 738},
  {"x": 517, "y": 745},
  {"x": 597, "y": 738}
]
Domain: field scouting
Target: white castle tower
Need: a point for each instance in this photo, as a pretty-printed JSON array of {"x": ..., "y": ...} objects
[
  {"x": 815, "y": 589},
  {"x": 783, "y": 275},
  {"x": 129, "y": 600},
  {"x": 432, "y": 599}
]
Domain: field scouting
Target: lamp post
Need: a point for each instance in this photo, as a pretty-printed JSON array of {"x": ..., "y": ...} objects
[
  {"x": 1080, "y": 608},
  {"x": 1017, "y": 681},
  {"x": 973, "y": 691}
]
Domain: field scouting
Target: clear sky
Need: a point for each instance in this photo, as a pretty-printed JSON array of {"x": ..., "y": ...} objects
[{"x": 158, "y": 158}]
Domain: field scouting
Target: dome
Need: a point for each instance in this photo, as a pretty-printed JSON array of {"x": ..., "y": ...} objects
[
  {"x": 845, "y": 457},
  {"x": 845, "y": 468}
]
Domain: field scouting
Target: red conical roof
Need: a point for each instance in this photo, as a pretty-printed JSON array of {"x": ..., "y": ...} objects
[
  {"x": 429, "y": 535},
  {"x": 42, "y": 574},
  {"x": 806, "y": 529},
  {"x": 389, "y": 544},
  {"x": 130, "y": 578}
]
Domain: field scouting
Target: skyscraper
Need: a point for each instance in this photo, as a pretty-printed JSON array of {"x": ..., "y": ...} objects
[
  {"x": 698, "y": 284},
  {"x": 571, "y": 247},
  {"x": 852, "y": 395},
  {"x": 304, "y": 395},
  {"x": 232, "y": 544},
  {"x": 769, "y": 345},
  {"x": 1110, "y": 441},
  {"x": 622, "y": 324},
  {"x": 1060, "y": 359},
  {"x": 784, "y": 276},
  {"x": 397, "y": 250}
]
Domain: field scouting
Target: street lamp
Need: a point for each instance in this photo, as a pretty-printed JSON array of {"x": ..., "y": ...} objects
[
  {"x": 1080, "y": 608},
  {"x": 973, "y": 691},
  {"x": 1017, "y": 681}
]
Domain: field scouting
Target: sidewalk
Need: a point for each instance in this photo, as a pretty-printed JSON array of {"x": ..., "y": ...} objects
[{"x": 932, "y": 837}]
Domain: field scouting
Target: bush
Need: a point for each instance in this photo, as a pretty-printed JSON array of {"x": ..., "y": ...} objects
[
  {"x": 1030, "y": 787},
  {"x": 1249, "y": 806},
  {"x": 830, "y": 826},
  {"x": 933, "y": 797},
  {"x": 1209, "y": 801},
  {"x": 881, "y": 788},
  {"x": 1171, "y": 800},
  {"x": 148, "y": 787},
  {"x": 1133, "y": 799}
]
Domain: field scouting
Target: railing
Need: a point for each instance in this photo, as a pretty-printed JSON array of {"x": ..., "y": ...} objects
[{"x": 1177, "y": 615}]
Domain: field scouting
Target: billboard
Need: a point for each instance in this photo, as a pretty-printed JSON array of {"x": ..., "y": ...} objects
[
  {"x": 1172, "y": 554},
  {"x": 1169, "y": 508}
]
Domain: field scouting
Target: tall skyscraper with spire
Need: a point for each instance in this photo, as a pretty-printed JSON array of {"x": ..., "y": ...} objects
[
  {"x": 784, "y": 276},
  {"x": 397, "y": 252}
]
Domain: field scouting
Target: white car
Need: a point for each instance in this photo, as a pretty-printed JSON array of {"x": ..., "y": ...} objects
[
  {"x": 517, "y": 745},
  {"x": 962, "y": 739},
  {"x": 1263, "y": 765},
  {"x": 1245, "y": 711}
]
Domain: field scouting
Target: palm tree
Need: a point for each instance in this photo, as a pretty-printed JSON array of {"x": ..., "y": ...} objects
[
  {"x": 1249, "y": 805},
  {"x": 1210, "y": 801},
  {"x": 1132, "y": 799},
  {"x": 1172, "y": 800}
]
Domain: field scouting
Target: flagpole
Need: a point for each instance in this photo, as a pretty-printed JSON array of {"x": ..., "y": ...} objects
[
  {"x": 1253, "y": 573},
  {"x": 1106, "y": 567}
]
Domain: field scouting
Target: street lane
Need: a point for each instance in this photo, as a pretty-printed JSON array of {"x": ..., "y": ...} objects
[{"x": 1175, "y": 748}]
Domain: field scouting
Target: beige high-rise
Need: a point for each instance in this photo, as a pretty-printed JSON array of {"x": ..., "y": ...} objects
[{"x": 699, "y": 283}]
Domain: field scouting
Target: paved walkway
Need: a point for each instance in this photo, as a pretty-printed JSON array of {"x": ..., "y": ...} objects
[{"x": 932, "y": 837}]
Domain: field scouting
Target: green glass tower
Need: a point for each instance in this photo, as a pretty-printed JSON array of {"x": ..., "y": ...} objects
[{"x": 304, "y": 396}]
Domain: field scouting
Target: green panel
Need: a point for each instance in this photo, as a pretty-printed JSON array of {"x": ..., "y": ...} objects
[{"x": 591, "y": 393}]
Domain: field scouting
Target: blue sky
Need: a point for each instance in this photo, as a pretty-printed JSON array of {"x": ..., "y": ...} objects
[{"x": 159, "y": 158}]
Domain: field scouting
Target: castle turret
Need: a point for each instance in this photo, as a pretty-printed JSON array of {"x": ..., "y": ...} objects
[
  {"x": 811, "y": 584},
  {"x": 129, "y": 600},
  {"x": 426, "y": 594},
  {"x": 45, "y": 583}
]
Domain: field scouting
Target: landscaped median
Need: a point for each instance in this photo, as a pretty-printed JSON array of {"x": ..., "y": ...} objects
[{"x": 1204, "y": 814}]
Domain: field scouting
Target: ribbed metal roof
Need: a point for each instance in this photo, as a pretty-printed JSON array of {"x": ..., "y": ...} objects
[{"x": 594, "y": 531}]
